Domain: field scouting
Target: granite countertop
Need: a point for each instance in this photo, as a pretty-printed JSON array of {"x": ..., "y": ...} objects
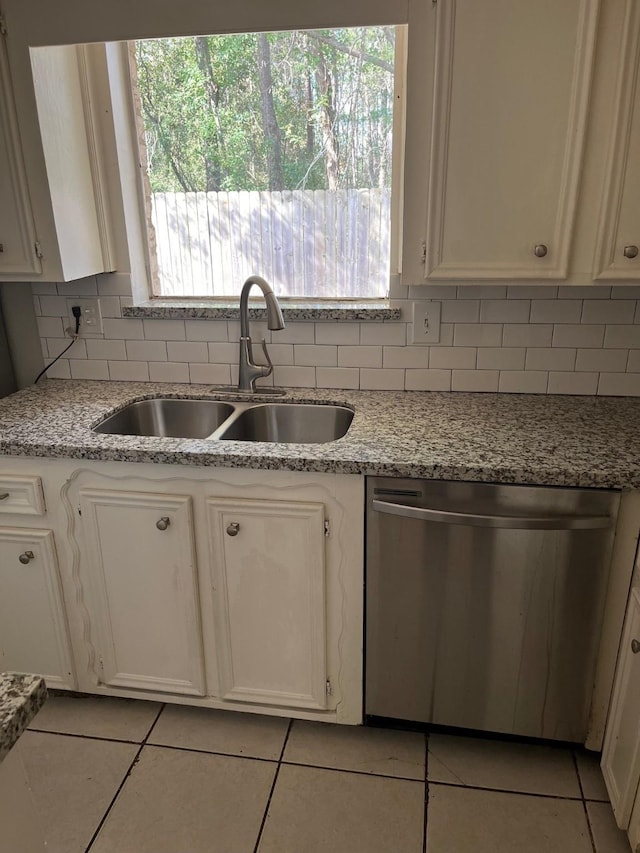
[
  {"x": 508, "y": 438},
  {"x": 21, "y": 697}
]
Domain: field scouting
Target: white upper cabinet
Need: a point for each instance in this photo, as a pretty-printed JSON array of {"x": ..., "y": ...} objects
[
  {"x": 510, "y": 83},
  {"x": 18, "y": 243},
  {"x": 54, "y": 219},
  {"x": 617, "y": 253}
]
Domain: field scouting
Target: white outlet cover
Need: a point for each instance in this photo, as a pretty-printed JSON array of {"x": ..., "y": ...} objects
[
  {"x": 426, "y": 323},
  {"x": 90, "y": 318}
]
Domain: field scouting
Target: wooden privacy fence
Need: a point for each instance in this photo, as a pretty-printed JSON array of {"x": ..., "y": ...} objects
[{"x": 311, "y": 243}]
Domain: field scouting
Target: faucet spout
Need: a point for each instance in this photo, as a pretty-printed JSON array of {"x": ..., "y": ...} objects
[{"x": 249, "y": 371}]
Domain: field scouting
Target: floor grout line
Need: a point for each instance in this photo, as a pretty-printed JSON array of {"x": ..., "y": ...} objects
[
  {"x": 425, "y": 813},
  {"x": 86, "y": 737},
  {"x": 584, "y": 802},
  {"x": 122, "y": 783},
  {"x": 273, "y": 787}
]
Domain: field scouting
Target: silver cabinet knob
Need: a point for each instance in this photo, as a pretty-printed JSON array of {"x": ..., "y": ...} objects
[
  {"x": 630, "y": 251},
  {"x": 26, "y": 557},
  {"x": 635, "y": 646},
  {"x": 163, "y": 523},
  {"x": 540, "y": 250},
  {"x": 233, "y": 529},
  {"x": 4, "y": 496}
]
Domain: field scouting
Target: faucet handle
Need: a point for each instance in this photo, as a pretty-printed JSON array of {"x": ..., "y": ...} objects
[{"x": 269, "y": 370}]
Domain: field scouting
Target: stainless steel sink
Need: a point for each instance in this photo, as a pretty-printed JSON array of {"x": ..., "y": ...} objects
[
  {"x": 166, "y": 417},
  {"x": 300, "y": 423}
]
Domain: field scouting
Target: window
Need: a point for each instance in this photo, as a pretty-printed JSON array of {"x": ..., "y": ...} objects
[{"x": 269, "y": 153}]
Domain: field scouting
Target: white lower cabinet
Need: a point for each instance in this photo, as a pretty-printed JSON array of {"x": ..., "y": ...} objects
[
  {"x": 33, "y": 627},
  {"x": 268, "y": 573},
  {"x": 621, "y": 752},
  {"x": 142, "y": 590}
]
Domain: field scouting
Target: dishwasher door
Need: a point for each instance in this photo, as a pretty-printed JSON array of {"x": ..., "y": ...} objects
[{"x": 484, "y": 604}]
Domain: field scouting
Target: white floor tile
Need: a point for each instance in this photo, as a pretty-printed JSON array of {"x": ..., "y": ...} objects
[{"x": 97, "y": 716}]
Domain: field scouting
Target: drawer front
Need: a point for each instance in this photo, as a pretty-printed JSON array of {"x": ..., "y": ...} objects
[{"x": 21, "y": 496}]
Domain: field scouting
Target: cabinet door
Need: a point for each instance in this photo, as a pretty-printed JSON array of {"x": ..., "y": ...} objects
[
  {"x": 618, "y": 242},
  {"x": 621, "y": 752},
  {"x": 511, "y": 90},
  {"x": 140, "y": 572},
  {"x": 269, "y": 589},
  {"x": 17, "y": 234},
  {"x": 33, "y": 627}
]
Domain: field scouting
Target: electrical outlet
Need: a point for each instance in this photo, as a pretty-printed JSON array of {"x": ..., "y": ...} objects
[
  {"x": 426, "y": 323},
  {"x": 90, "y": 317}
]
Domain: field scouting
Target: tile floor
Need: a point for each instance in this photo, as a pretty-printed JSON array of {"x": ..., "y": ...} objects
[{"x": 125, "y": 776}]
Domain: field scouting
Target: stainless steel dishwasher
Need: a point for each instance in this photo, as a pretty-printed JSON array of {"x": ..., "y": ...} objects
[{"x": 484, "y": 604}]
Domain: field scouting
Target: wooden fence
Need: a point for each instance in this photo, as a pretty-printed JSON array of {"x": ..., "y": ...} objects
[{"x": 310, "y": 243}]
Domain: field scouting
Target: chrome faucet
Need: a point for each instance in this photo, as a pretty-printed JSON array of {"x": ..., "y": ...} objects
[{"x": 250, "y": 371}]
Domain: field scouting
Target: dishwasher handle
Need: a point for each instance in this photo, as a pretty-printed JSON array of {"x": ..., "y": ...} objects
[{"x": 477, "y": 519}]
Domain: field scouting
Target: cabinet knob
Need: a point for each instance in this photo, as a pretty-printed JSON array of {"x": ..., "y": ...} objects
[
  {"x": 163, "y": 523},
  {"x": 630, "y": 251},
  {"x": 635, "y": 646},
  {"x": 4, "y": 496},
  {"x": 540, "y": 250},
  {"x": 233, "y": 529},
  {"x": 26, "y": 557}
]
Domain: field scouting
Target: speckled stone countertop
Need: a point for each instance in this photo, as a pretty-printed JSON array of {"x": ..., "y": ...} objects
[
  {"x": 21, "y": 697},
  {"x": 505, "y": 438}
]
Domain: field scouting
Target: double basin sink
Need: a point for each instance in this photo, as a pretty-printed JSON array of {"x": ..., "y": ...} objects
[{"x": 300, "y": 423}]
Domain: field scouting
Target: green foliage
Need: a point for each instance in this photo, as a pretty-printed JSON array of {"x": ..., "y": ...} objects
[{"x": 202, "y": 109}]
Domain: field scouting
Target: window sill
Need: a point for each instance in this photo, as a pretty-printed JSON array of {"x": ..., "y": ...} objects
[{"x": 169, "y": 309}]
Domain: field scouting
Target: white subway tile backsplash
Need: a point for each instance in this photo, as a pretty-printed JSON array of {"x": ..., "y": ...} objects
[
  {"x": 361, "y": 356},
  {"x": 164, "y": 330},
  {"x": 453, "y": 357},
  {"x": 146, "y": 350},
  {"x": 586, "y": 292},
  {"x": 532, "y": 335},
  {"x": 460, "y": 310},
  {"x": 572, "y": 383},
  {"x": 313, "y": 355},
  {"x": 50, "y": 327},
  {"x": 187, "y": 351},
  {"x": 337, "y": 333},
  {"x": 80, "y": 287},
  {"x": 387, "y": 334},
  {"x": 446, "y": 336},
  {"x": 114, "y": 284},
  {"x": 550, "y": 358},
  {"x": 633, "y": 365},
  {"x": 109, "y": 350},
  {"x": 89, "y": 369},
  {"x": 209, "y": 374},
  {"x": 619, "y": 384},
  {"x": 129, "y": 371},
  {"x": 164, "y": 371},
  {"x": 409, "y": 356},
  {"x": 609, "y": 360},
  {"x": 59, "y": 370},
  {"x": 293, "y": 333},
  {"x": 482, "y": 291},
  {"x": 597, "y": 311},
  {"x": 432, "y": 291},
  {"x": 427, "y": 380},
  {"x": 477, "y": 334},
  {"x": 46, "y": 288},
  {"x": 225, "y": 353},
  {"x": 474, "y": 380},
  {"x": 630, "y": 291},
  {"x": 279, "y": 353},
  {"x": 126, "y": 329},
  {"x": 381, "y": 379},
  {"x": 622, "y": 337},
  {"x": 505, "y": 311},
  {"x": 556, "y": 311},
  {"x": 523, "y": 381},
  {"x": 36, "y": 306},
  {"x": 532, "y": 291},
  {"x": 573, "y": 335},
  {"x": 53, "y": 306},
  {"x": 206, "y": 330},
  {"x": 294, "y": 376},
  {"x": 56, "y": 345},
  {"x": 258, "y": 330},
  {"x": 110, "y": 306},
  {"x": 338, "y": 377},
  {"x": 500, "y": 358}
]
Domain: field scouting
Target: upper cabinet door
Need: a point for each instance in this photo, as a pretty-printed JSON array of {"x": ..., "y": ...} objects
[
  {"x": 617, "y": 253},
  {"x": 18, "y": 253},
  {"x": 511, "y": 90}
]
